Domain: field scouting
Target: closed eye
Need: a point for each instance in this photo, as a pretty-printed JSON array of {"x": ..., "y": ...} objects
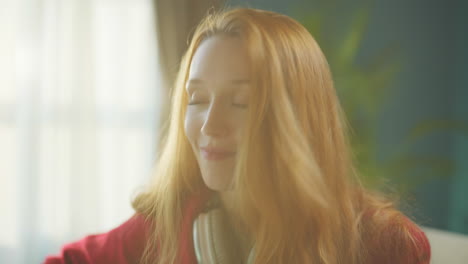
[{"x": 240, "y": 105}]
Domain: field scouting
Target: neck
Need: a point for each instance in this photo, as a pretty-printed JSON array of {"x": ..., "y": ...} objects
[
  {"x": 233, "y": 214},
  {"x": 228, "y": 203}
]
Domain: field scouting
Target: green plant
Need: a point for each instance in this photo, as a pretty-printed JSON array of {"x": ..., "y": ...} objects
[{"x": 363, "y": 89}]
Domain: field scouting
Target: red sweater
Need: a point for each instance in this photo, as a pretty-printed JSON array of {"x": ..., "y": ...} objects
[{"x": 125, "y": 244}]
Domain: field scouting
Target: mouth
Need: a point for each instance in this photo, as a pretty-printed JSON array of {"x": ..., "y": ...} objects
[{"x": 216, "y": 154}]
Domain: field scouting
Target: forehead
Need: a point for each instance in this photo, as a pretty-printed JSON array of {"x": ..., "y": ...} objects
[{"x": 220, "y": 59}]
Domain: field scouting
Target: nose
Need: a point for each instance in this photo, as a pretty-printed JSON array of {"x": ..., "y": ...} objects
[{"x": 215, "y": 123}]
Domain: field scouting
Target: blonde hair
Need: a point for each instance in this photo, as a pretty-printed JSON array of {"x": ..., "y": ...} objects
[{"x": 306, "y": 208}]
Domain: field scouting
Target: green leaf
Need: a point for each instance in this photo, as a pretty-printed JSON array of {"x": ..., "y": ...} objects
[
  {"x": 353, "y": 39},
  {"x": 428, "y": 127}
]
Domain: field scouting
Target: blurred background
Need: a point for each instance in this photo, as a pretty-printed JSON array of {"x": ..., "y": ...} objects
[{"x": 84, "y": 90}]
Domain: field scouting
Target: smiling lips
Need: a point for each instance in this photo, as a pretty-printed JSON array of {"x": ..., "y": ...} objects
[{"x": 216, "y": 154}]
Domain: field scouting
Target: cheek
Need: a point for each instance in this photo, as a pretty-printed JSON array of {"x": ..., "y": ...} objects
[
  {"x": 192, "y": 127},
  {"x": 239, "y": 126}
]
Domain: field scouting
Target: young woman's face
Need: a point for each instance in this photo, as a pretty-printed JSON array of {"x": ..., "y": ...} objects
[{"x": 218, "y": 89}]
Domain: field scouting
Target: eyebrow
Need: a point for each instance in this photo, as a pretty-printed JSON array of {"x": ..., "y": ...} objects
[{"x": 235, "y": 81}]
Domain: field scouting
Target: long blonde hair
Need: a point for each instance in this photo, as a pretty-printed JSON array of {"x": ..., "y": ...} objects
[{"x": 294, "y": 181}]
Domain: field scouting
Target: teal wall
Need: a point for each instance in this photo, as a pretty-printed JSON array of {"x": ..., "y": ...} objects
[
  {"x": 431, "y": 39},
  {"x": 458, "y": 217}
]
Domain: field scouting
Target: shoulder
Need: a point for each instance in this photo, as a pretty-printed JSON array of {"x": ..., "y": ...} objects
[
  {"x": 397, "y": 239},
  {"x": 124, "y": 244}
]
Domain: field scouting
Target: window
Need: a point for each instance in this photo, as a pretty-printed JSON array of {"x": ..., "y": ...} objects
[{"x": 79, "y": 108}]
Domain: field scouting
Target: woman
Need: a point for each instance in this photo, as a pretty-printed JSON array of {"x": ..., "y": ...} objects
[{"x": 256, "y": 167}]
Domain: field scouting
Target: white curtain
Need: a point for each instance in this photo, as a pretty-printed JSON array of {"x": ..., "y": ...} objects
[{"x": 79, "y": 106}]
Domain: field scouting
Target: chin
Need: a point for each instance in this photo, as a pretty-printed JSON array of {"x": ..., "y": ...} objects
[{"x": 216, "y": 184}]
